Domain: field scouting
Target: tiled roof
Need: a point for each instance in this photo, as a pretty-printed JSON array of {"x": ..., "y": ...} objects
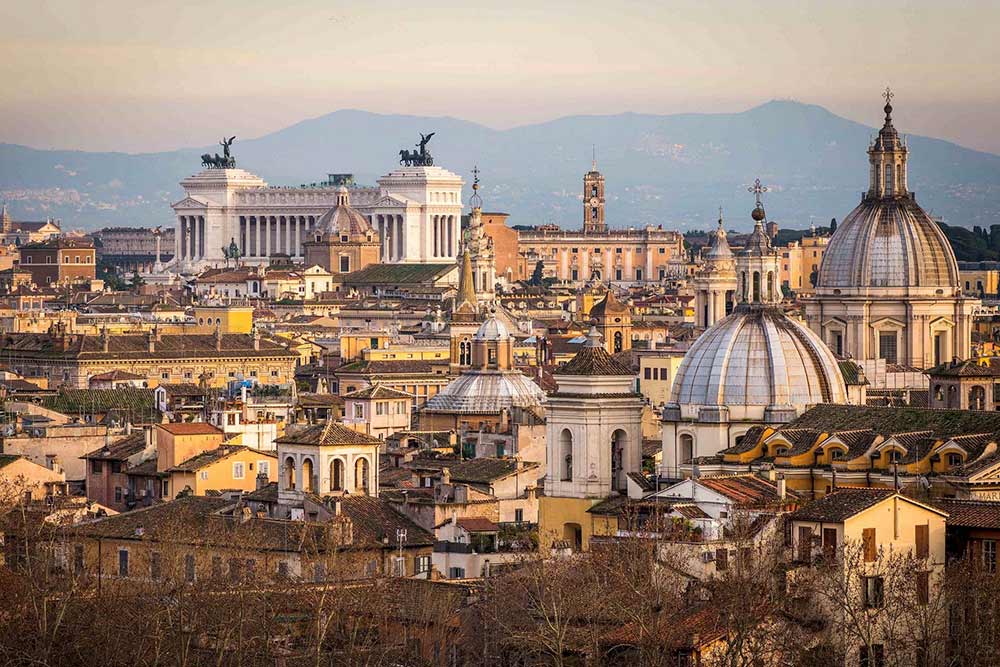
[
  {"x": 857, "y": 441},
  {"x": 135, "y": 402},
  {"x": 747, "y": 442},
  {"x": 690, "y": 511},
  {"x": 477, "y": 524},
  {"x": 190, "y": 428},
  {"x": 388, "y": 367},
  {"x": 330, "y": 433},
  {"x": 183, "y": 389},
  {"x": 967, "y": 368},
  {"x": 212, "y": 456},
  {"x": 841, "y": 504},
  {"x": 982, "y": 514},
  {"x": 483, "y": 470},
  {"x": 853, "y": 374},
  {"x": 135, "y": 346},
  {"x": 801, "y": 439},
  {"x": 120, "y": 449},
  {"x": 887, "y": 421},
  {"x": 117, "y": 374},
  {"x": 592, "y": 359},
  {"x": 747, "y": 490},
  {"x": 394, "y": 274},
  {"x": 609, "y": 305},
  {"x": 377, "y": 391},
  {"x": 376, "y": 521},
  {"x": 310, "y": 400}
]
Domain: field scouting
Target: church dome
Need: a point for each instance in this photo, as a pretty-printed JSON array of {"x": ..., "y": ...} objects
[
  {"x": 757, "y": 360},
  {"x": 609, "y": 305},
  {"x": 492, "y": 330},
  {"x": 342, "y": 219},
  {"x": 889, "y": 242}
]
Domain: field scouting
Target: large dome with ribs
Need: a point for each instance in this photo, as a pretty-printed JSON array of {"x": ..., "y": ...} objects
[
  {"x": 759, "y": 357},
  {"x": 889, "y": 243}
]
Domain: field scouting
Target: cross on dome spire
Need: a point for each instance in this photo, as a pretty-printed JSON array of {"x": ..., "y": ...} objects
[
  {"x": 475, "y": 201},
  {"x": 757, "y": 189},
  {"x": 888, "y": 95}
]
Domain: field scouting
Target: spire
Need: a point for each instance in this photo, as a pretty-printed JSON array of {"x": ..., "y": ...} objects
[
  {"x": 887, "y": 156},
  {"x": 719, "y": 248},
  {"x": 593, "y": 336},
  {"x": 593, "y": 157},
  {"x": 343, "y": 196},
  {"x": 466, "y": 290}
]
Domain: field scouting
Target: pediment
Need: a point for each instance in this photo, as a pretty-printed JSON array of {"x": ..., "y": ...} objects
[
  {"x": 942, "y": 323},
  {"x": 888, "y": 323},
  {"x": 191, "y": 201},
  {"x": 392, "y": 201}
]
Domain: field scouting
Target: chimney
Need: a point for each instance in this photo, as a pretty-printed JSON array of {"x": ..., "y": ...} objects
[
  {"x": 218, "y": 338},
  {"x": 338, "y": 507},
  {"x": 256, "y": 339},
  {"x": 262, "y": 481},
  {"x": 104, "y": 339},
  {"x": 445, "y": 476},
  {"x": 782, "y": 489},
  {"x": 151, "y": 342}
]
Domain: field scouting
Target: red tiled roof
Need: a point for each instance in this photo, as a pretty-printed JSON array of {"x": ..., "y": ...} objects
[
  {"x": 190, "y": 428},
  {"x": 477, "y": 524},
  {"x": 743, "y": 489},
  {"x": 970, "y": 513}
]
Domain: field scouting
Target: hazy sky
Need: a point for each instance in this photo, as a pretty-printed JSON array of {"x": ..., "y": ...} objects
[{"x": 142, "y": 76}]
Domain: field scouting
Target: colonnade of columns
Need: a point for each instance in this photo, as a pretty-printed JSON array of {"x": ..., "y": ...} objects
[
  {"x": 444, "y": 236},
  {"x": 191, "y": 239},
  {"x": 390, "y": 230},
  {"x": 266, "y": 235}
]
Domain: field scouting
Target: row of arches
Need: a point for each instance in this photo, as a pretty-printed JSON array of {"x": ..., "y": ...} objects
[
  {"x": 618, "y": 446},
  {"x": 337, "y": 480},
  {"x": 755, "y": 291}
]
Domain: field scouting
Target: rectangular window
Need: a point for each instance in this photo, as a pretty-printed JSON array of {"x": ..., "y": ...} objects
[
  {"x": 874, "y": 592},
  {"x": 203, "y": 475},
  {"x": 282, "y": 569},
  {"x": 872, "y": 656},
  {"x": 319, "y": 572},
  {"x": 96, "y": 467},
  {"x": 116, "y": 467},
  {"x": 456, "y": 573},
  {"x": 345, "y": 264},
  {"x": 868, "y": 542},
  {"x": 922, "y": 540},
  {"x": 216, "y": 567},
  {"x": 78, "y": 558},
  {"x": 648, "y": 373},
  {"x": 399, "y": 567},
  {"x": 359, "y": 411},
  {"x": 887, "y": 347},
  {"x": 422, "y": 565},
  {"x": 189, "y": 571},
  {"x": 264, "y": 468},
  {"x": 238, "y": 471},
  {"x": 990, "y": 555},
  {"x": 155, "y": 565},
  {"x": 122, "y": 563},
  {"x": 829, "y": 542},
  {"x": 923, "y": 588},
  {"x": 380, "y": 408},
  {"x": 519, "y": 515},
  {"x": 118, "y": 494},
  {"x": 721, "y": 560}
]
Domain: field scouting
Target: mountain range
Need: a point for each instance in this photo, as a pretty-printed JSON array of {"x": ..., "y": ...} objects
[{"x": 674, "y": 170}]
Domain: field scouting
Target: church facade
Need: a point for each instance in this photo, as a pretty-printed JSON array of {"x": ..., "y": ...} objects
[{"x": 415, "y": 210}]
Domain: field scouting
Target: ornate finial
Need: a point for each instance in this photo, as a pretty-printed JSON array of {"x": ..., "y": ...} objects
[
  {"x": 475, "y": 201},
  {"x": 593, "y": 157},
  {"x": 720, "y": 217},
  {"x": 757, "y": 189},
  {"x": 887, "y": 95}
]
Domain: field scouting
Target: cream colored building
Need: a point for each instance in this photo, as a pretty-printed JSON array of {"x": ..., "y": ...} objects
[
  {"x": 889, "y": 285},
  {"x": 800, "y": 262},
  {"x": 377, "y": 411}
]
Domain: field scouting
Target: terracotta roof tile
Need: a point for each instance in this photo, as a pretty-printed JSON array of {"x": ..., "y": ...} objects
[{"x": 841, "y": 504}]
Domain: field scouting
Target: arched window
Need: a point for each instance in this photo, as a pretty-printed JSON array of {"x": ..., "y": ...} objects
[
  {"x": 893, "y": 456},
  {"x": 770, "y": 285},
  {"x": 888, "y": 179},
  {"x": 361, "y": 482},
  {"x": 336, "y": 475},
  {"x": 290, "y": 473},
  {"x": 619, "y": 440},
  {"x": 687, "y": 448},
  {"x": 938, "y": 394},
  {"x": 465, "y": 352},
  {"x": 977, "y": 398},
  {"x": 618, "y": 341},
  {"x": 566, "y": 454},
  {"x": 307, "y": 476},
  {"x": 756, "y": 286}
]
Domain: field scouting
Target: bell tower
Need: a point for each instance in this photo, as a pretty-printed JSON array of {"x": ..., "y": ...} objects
[
  {"x": 593, "y": 201},
  {"x": 887, "y": 156}
]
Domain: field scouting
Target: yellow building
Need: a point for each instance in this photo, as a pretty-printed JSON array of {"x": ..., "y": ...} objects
[
  {"x": 979, "y": 278},
  {"x": 178, "y": 442},
  {"x": 353, "y": 344},
  {"x": 70, "y": 360},
  {"x": 225, "y": 468},
  {"x": 800, "y": 262},
  {"x": 657, "y": 369},
  {"x": 614, "y": 322},
  {"x": 20, "y": 476},
  {"x": 228, "y": 319}
]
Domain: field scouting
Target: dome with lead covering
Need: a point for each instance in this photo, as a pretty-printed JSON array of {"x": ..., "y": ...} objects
[
  {"x": 342, "y": 219},
  {"x": 758, "y": 364}
]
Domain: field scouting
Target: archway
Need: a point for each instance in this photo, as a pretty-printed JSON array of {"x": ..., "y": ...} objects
[
  {"x": 337, "y": 475},
  {"x": 618, "y": 342},
  {"x": 361, "y": 482},
  {"x": 290, "y": 473},
  {"x": 619, "y": 439},
  {"x": 977, "y": 398},
  {"x": 308, "y": 483},
  {"x": 566, "y": 454},
  {"x": 687, "y": 448}
]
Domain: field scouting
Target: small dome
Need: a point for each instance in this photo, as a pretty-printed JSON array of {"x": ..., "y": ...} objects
[
  {"x": 342, "y": 219},
  {"x": 889, "y": 242},
  {"x": 758, "y": 357},
  {"x": 492, "y": 330}
]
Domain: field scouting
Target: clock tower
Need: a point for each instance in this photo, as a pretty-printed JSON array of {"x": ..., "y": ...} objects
[{"x": 593, "y": 202}]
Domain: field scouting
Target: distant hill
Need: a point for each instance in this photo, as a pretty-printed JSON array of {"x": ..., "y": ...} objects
[{"x": 674, "y": 170}]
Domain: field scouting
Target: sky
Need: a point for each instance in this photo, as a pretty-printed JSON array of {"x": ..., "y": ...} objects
[{"x": 149, "y": 76}]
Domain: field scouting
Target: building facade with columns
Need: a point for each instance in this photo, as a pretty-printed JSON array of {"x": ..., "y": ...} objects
[
  {"x": 415, "y": 210},
  {"x": 597, "y": 253}
]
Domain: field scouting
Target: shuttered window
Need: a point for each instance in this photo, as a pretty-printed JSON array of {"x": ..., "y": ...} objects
[
  {"x": 868, "y": 541},
  {"x": 922, "y": 539}
]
